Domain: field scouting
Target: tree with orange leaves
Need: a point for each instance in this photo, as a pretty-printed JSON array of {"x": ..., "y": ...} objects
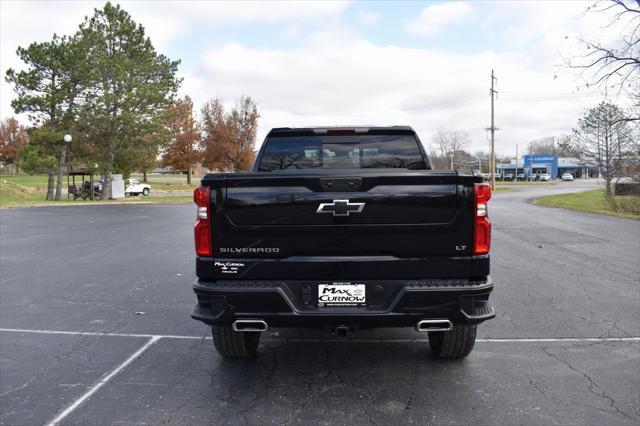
[
  {"x": 183, "y": 152},
  {"x": 229, "y": 138},
  {"x": 13, "y": 138}
]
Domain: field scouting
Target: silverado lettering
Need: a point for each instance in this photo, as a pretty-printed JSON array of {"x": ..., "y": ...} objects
[
  {"x": 354, "y": 231},
  {"x": 250, "y": 250}
]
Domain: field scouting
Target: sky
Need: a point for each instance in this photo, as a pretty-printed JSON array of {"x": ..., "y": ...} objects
[{"x": 319, "y": 63}]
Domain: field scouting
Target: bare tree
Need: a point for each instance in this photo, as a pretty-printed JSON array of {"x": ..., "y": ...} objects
[
  {"x": 437, "y": 160},
  {"x": 615, "y": 65},
  {"x": 483, "y": 159},
  {"x": 451, "y": 144},
  {"x": 604, "y": 139},
  {"x": 544, "y": 145}
]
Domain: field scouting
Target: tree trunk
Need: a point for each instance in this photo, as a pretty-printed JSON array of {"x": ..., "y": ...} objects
[
  {"x": 608, "y": 180},
  {"x": 189, "y": 175},
  {"x": 144, "y": 176},
  {"x": 61, "y": 161},
  {"x": 106, "y": 186},
  {"x": 608, "y": 162},
  {"x": 106, "y": 179},
  {"x": 50, "y": 183}
]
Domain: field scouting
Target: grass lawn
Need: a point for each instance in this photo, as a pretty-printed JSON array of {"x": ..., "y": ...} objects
[
  {"x": 34, "y": 181},
  {"x": 26, "y": 190},
  {"x": 164, "y": 182},
  {"x": 173, "y": 186},
  {"x": 12, "y": 194},
  {"x": 594, "y": 202},
  {"x": 503, "y": 189},
  {"x": 526, "y": 183},
  {"x": 170, "y": 182}
]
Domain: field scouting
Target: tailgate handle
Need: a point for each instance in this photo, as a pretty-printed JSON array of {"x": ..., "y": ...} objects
[{"x": 340, "y": 184}]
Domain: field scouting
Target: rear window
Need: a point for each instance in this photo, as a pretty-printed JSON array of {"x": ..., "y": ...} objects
[{"x": 341, "y": 152}]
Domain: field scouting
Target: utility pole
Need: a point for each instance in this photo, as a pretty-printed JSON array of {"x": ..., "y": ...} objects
[
  {"x": 493, "y": 131},
  {"x": 530, "y": 160},
  {"x": 517, "y": 162},
  {"x": 555, "y": 158}
]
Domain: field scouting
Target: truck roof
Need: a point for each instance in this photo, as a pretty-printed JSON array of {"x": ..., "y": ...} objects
[{"x": 301, "y": 131}]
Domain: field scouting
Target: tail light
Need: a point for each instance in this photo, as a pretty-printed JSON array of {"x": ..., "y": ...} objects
[
  {"x": 481, "y": 224},
  {"x": 202, "y": 198}
]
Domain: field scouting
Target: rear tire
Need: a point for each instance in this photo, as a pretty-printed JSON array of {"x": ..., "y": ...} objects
[
  {"x": 456, "y": 343},
  {"x": 235, "y": 344}
]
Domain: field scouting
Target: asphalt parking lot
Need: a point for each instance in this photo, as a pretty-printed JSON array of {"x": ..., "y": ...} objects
[{"x": 95, "y": 329}]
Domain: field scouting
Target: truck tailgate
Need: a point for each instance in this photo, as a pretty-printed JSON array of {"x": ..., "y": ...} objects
[{"x": 368, "y": 224}]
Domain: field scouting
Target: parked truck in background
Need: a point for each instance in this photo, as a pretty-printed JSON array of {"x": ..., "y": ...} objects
[{"x": 343, "y": 229}]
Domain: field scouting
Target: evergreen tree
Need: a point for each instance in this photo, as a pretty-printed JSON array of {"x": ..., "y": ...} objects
[
  {"x": 48, "y": 90},
  {"x": 127, "y": 88}
]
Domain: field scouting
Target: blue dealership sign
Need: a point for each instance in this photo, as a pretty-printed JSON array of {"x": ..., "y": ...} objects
[{"x": 550, "y": 161}]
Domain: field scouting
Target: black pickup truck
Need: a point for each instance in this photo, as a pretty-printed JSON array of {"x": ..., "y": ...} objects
[{"x": 343, "y": 229}]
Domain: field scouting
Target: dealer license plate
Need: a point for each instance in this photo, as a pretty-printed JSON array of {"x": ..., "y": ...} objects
[{"x": 341, "y": 294}]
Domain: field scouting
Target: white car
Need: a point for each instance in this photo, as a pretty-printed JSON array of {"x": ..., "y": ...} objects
[
  {"x": 567, "y": 177},
  {"x": 135, "y": 187},
  {"x": 545, "y": 177}
]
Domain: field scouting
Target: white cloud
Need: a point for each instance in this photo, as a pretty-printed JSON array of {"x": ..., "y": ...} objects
[
  {"x": 290, "y": 33},
  {"x": 367, "y": 17},
  {"x": 182, "y": 17},
  {"x": 436, "y": 17},
  {"x": 353, "y": 81},
  {"x": 24, "y": 22}
]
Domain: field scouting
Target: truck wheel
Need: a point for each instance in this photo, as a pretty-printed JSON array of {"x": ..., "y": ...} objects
[
  {"x": 145, "y": 192},
  {"x": 456, "y": 343},
  {"x": 235, "y": 344}
]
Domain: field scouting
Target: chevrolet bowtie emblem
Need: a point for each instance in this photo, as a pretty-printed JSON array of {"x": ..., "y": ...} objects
[{"x": 340, "y": 208}]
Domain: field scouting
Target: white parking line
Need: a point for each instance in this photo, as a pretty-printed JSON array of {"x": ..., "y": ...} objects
[
  {"x": 101, "y": 382},
  {"x": 490, "y": 340},
  {"x": 101, "y": 333},
  {"x": 302, "y": 340}
]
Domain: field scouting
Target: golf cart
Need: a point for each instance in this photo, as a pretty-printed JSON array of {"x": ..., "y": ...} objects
[{"x": 87, "y": 187}]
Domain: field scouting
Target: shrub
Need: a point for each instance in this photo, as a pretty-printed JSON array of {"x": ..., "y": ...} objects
[{"x": 629, "y": 204}]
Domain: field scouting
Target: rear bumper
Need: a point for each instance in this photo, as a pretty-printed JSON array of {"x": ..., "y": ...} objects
[{"x": 389, "y": 303}]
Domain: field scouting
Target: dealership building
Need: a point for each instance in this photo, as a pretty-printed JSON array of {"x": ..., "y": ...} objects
[{"x": 535, "y": 164}]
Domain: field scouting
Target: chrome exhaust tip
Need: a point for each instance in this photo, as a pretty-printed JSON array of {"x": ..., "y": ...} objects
[
  {"x": 250, "y": 325},
  {"x": 434, "y": 325}
]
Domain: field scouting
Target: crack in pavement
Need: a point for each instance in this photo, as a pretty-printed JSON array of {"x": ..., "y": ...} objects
[{"x": 593, "y": 385}]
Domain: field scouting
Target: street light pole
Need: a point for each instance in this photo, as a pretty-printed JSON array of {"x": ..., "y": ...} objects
[{"x": 61, "y": 162}]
